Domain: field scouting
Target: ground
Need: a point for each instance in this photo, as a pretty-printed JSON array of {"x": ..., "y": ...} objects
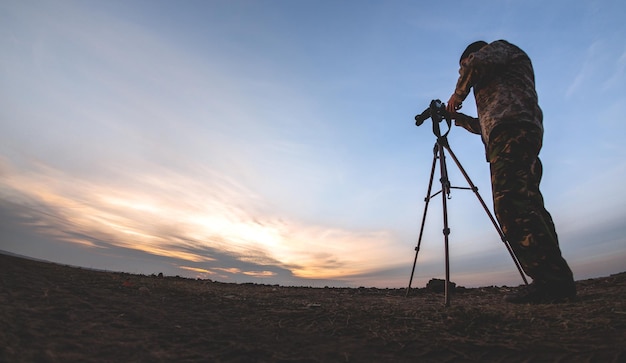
[{"x": 57, "y": 313}]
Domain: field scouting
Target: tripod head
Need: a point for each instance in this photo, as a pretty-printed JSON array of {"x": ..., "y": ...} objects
[{"x": 437, "y": 112}]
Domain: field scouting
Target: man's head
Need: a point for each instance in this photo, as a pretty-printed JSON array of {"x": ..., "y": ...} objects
[{"x": 474, "y": 47}]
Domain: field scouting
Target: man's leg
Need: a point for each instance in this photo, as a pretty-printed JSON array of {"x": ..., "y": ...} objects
[{"x": 515, "y": 174}]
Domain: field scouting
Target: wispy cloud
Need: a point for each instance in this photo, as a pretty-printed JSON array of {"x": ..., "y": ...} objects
[
  {"x": 180, "y": 217},
  {"x": 602, "y": 69}
]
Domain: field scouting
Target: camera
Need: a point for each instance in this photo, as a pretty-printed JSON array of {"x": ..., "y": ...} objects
[{"x": 436, "y": 111}]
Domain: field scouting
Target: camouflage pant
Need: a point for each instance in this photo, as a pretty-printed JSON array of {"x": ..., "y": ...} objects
[{"x": 518, "y": 204}]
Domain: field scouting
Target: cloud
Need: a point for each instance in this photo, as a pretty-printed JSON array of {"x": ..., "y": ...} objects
[
  {"x": 618, "y": 73},
  {"x": 199, "y": 220},
  {"x": 604, "y": 64},
  {"x": 586, "y": 70}
]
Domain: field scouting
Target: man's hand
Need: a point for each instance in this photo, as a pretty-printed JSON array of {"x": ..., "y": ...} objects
[
  {"x": 454, "y": 104},
  {"x": 469, "y": 123},
  {"x": 460, "y": 119}
]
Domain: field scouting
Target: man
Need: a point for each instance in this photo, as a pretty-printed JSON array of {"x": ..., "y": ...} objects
[{"x": 511, "y": 124}]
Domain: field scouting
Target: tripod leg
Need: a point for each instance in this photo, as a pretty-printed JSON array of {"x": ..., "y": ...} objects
[
  {"x": 493, "y": 220},
  {"x": 445, "y": 188},
  {"x": 427, "y": 201}
]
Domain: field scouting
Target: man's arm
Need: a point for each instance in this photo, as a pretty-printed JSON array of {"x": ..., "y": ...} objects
[
  {"x": 463, "y": 85},
  {"x": 469, "y": 123}
]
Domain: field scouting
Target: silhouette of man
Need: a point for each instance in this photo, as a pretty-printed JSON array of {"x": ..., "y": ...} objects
[{"x": 511, "y": 125}]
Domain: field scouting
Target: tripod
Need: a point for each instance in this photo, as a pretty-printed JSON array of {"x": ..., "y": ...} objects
[{"x": 437, "y": 113}]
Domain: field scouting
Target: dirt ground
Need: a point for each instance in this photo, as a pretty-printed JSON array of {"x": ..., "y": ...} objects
[{"x": 56, "y": 313}]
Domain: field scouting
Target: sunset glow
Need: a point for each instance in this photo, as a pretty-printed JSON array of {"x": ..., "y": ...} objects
[{"x": 167, "y": 219}]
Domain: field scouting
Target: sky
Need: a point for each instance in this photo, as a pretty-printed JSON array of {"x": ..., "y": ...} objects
[{"x": 273, "y": 141}]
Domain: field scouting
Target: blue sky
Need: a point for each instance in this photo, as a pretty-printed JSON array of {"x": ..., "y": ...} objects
[{"x": 274, "y": 141}]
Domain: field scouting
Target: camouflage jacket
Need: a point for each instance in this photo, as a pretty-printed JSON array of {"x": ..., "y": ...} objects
[{"x": 504, "y": 87}]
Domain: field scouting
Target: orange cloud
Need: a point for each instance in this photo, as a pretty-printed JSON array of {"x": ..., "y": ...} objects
[{"x": 174, "y": 216}]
